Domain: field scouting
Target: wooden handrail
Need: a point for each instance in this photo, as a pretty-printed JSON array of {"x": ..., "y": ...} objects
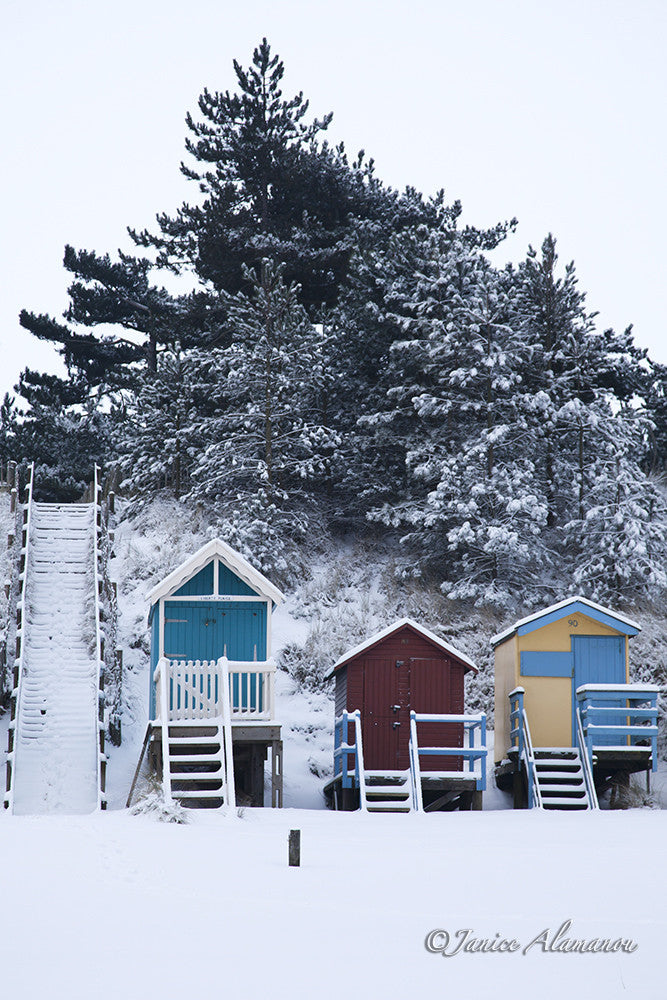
[
  {"x": 18, "y": 669},
  {"x": 230, "y": 787},
  {"x": 97, "y": 529},
  {"x": 586, "y": 763}
]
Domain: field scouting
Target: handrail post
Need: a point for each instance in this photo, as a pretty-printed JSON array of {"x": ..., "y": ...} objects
[
  {"x": 227, "y": 732},
  {"x": 97, "y": 529},
  {"x": 415, "y": 769},
  {"x": 483, "y": 761},
  {"x": 163, "y": 680},
  {"x": 359, "y": 758},
  {"x": 20, "y": 644}
]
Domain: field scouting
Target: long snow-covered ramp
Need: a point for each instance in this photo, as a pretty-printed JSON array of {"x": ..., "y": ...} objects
[{"x": 56, "y": 752}]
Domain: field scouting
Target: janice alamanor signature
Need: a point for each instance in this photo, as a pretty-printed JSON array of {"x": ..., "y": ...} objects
[{"x": 464, "y": 941}]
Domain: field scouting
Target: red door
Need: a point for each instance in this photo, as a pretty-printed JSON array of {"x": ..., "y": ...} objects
[
  {"x": 386, "y": 715},
  {"x": 431, "y": 693}
]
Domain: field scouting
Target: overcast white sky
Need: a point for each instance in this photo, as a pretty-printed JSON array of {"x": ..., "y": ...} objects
[{"x": 553, "y": 112}]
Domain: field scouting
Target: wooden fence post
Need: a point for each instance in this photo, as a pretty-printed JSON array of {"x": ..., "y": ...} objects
[{"x": 294, "y": 850}]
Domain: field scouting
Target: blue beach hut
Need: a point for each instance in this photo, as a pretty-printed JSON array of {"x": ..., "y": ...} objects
[{"x": 212, "y": 700}]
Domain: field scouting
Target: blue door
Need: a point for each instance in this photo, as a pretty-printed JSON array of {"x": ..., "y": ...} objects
[
  {"x": 598, "y": 659},
  {"x": 207, "y": 630}
]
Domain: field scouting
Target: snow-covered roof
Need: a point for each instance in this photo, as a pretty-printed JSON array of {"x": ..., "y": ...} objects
[
  {"x": 230, "y": 558},
  {"x": 554, "y": 610},
  {"x": 379, "y": 636}
]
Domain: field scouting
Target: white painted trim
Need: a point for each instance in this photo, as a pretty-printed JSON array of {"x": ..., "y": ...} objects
[
  {"x": 161, "y": 632},
  {"x": 216, "y": 577},
  {"x": 212, "y": 598},
  {"x": 230, "y": 558},
  {"x": 268, "y": 629},
  {"x": 351, "y": 653}
]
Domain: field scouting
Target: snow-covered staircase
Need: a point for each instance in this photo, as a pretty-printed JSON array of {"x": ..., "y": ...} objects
[
  {"x": 389, "y": 791},
  {"x": 560, "y": 776},
  {"x": 195, "y": 772},
  {"x": 55, "y": 749}
]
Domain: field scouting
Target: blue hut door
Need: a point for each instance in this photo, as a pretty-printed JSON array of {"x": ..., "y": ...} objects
[
  {"x": 206, "y": 630},
  {"x": 598, "y": 659}
]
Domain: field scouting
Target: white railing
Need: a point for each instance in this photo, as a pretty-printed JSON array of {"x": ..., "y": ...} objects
[
  {"x": 161, "y": 678},
  {"x": 343, "y": 749},
  {"x": 361, "y": 771},
  {"x": 228, "y": 749},
  {"x": 520, "y": 738},
  {"x": 194, "y": 689},
  {"x": 20, "y": 634},
  {"x": 99, "y": 640},
  {"x": 415, "y": 770},
  {"x": 534, "y": 792},
  {"x": 216, "y": 676},
  {"x": 473, "y": 752}
]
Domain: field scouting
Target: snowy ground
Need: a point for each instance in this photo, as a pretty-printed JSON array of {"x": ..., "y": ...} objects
[{"x": 122, "y": 906}]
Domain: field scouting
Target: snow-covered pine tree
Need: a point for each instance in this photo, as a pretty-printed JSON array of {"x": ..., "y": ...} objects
[
  {"x": 392, "y": 251},
  {"x": 616, "y": 538},
  {"x": 476, "y": 519},
  {"x": 268, "y": 448},
  {"x": 656, "y": 403},
  {"x": 64, "y": 432},
  {"x": 589, "y": 434},
  {"x": 159, "y": 440}
]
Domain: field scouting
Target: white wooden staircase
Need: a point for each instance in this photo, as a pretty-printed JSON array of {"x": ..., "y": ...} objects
[
  {"x": 55, "y": 754},
  {"x": 388, "y": 791},
  {"x": 195, "y": 772},
  {"x": 197, "y": 752},
  {"x": 560, "y": 776}
]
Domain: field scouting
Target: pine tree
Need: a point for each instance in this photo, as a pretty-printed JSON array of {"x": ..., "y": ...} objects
[
  {"x": 471, "y": 509},
  {"x": 64, "y": 433},
  {"x": 590, "y": 434},
  {"x": 271, "y": 190},
  {"x": 268, "y": 447},
  {"x": 136, "y": 317},
  {"x": 656, "y": 405},
  {"x": 616, "y": 538},
  {"x": 160, "y": 441}
]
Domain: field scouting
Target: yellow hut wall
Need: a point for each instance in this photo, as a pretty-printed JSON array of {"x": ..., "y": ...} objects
[
  {"x": 548, "y": 700},
  {"x": 506, "y": 678}
]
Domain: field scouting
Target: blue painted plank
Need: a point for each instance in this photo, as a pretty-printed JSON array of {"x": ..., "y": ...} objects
[
  {"x": 546, "y": 664},
  {"x": 199, "y": 585},
  {"x": 230, "y": 583}
]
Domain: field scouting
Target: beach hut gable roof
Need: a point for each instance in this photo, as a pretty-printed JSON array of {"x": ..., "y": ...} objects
[
  {"x": 571, "y": 605},
  {"x": 233, "y": 560},
  {"x": 374, "y": 640}
]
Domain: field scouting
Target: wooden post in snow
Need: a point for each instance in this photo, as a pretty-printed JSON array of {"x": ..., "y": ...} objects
[{"x": 294, "y": 848}]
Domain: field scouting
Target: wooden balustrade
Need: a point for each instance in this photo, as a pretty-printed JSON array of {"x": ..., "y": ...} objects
[{"x": 194, "y": 689}]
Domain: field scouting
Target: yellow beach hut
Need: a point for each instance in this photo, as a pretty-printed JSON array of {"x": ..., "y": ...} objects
[{"x": 568, "y": 723}]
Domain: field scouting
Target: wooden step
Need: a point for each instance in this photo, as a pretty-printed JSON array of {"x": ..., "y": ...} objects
[
  {"x": 387, "y": 791},
  {"x": 388, "y": 807},
  {"x": 193, "y": 793},
  {"x": 565, "y": 803}
]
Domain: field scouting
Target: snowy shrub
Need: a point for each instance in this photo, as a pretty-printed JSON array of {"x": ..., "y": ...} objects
[{"x": 153, "y": 803}]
